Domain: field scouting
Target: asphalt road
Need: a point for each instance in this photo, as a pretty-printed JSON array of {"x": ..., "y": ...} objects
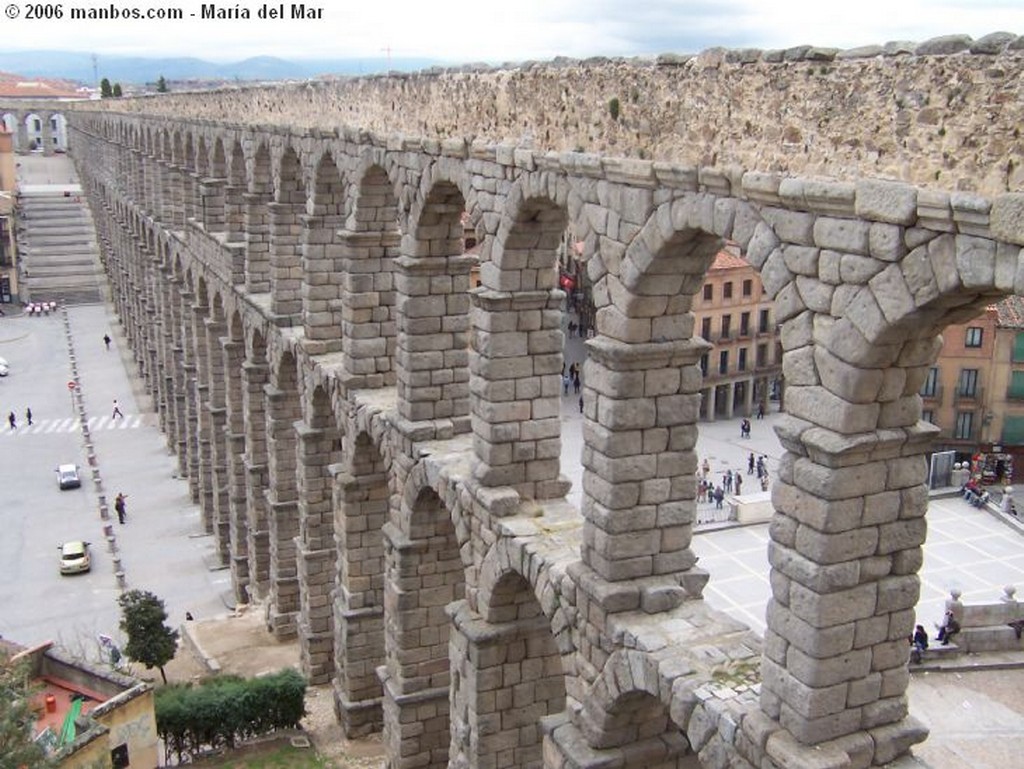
[{"x": 162, "y": 546}]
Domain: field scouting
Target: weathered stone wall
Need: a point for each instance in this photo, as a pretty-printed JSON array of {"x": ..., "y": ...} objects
[{"x": 944, "y": 113}]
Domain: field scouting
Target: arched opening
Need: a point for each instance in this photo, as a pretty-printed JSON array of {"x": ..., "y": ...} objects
[
  {"x": 257, "y": 223},
  {"x": 255, "y": 381},
  {"x": 322, "y": 260},
  {"x": 235, "y": 442},
  {"x": 285, "y": 237},
  {"x": 361, "y": 510},
  {"x": 283, "y": 410},
  {"x": 432, "y": 358},
  {"x": 425, "y": 575},
  {"x": 319, "y": 450},
  {"x": 508, "y": 676},
  {"x": 369, "y": 245}
]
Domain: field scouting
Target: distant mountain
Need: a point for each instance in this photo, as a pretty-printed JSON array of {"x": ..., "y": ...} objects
[{"x": 78, "y": 66}]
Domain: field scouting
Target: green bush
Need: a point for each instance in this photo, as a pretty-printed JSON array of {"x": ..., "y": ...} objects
[{"x": 226, "y": 710}]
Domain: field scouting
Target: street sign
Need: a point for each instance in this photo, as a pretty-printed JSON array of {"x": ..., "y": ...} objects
[{"x": 72, "y": 384}]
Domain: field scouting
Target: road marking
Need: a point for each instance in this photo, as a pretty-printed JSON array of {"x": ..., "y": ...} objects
[{"x": 73, "y": 425}]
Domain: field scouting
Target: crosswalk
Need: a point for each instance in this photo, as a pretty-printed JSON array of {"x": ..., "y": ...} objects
[{"x": 71, "y": 425}]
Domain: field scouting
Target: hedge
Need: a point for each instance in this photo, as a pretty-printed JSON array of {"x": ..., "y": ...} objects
[{"x": 218, "y": 714}]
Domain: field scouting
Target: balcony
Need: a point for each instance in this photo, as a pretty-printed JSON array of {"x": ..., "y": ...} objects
[{"x": 933, "y": 396}]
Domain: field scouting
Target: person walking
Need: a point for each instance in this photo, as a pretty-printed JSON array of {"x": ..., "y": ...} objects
[
  {"x": 719, "y": 497},
  {"x": 107, "y": 340},
  {"x": 581, "y": 404},
  {"x": 12, "y": 421},
  {"x": 119, "y": 507},
  {"x": 117, "y": 411},
  {"x": 576, "y": 384},
  {"x": 737, "y": 481},
  {"x": 750, "y": 464},
  {"x": 28, "y": 415}
]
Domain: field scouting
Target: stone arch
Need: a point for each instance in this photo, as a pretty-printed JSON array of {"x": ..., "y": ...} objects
[
  {"x": 283, "y": 410},
  {"x": 510, "y": 672},
  {"x": 517, "y": 343},
  {"x": 322, "y": 259},
  {"x": 257, "y": 203},
  {"x": 425, "y": 574},
  {"x": 32, "y": 124},
  {"x": 285, "y": 234},
  {"x": 234, "y": 351},
  {"x": 234, "y": 199},
  {"x": 433, "y": 281},
  {"x": 319, "y": 453},
  {"x": 255, "y": 381},
  {"x": 369, "y": 247},
  {"x": 361, "y": 506}
]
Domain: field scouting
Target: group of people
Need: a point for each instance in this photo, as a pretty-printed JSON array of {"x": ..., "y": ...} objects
[
  {"x": 12, "y": 418},
  {"x": 973, "y": 492},
  {"x": 919, "y": 640}
]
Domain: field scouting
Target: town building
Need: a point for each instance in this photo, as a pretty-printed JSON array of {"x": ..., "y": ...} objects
[
  {"x": 744, "y": 370},
  {"x": 8, "y": 253},
  {"x": 975, "y": 391},
  {"x": 88, "y": 716}
]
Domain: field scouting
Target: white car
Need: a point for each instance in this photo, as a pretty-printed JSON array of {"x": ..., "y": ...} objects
[
  {"x": 5, "y": 368},
  {"x": 74, "y": 557},
  {"x": 68, "y": 477}
]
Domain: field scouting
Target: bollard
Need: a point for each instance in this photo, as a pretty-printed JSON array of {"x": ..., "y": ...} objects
[{"x": 112, "y": 543}]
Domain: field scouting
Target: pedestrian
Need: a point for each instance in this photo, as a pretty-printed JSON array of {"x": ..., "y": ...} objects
[
  {"x": 576, "y": 384},
  {"x": 581, "y": 404},
  {"x": 750, "y": 464},
  {"x": 106, "y": 340},
  {"x": 760, "y": 410},
  {"x": 719, "y": 497},
  {"x": 565, "y": 384},
  {"x": 761, "y": 469},
  {"x": 12, "y": 420},
  {"x": 119, "y": 507},
  {"x": 28, "y": 415},
  {"x": 706, "y": 467},
  {"x": 737, "y": 481},
  {"x": 764, "y": 481},
  {"x": 117, "y": 411}
]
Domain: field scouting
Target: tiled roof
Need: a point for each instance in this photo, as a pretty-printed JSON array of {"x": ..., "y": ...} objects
[
  {"x": 1010, "y": 313},
  {"x": 726, "y": 260},
  {"x": 14, "y": 86}
]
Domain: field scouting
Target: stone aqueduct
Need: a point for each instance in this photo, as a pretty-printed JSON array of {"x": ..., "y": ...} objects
[{"x": 376, "y": 448}]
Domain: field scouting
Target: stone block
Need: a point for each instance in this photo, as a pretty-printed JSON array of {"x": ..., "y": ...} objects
[
  {"x": 851, "y": 666},
  {"x": 822, "y": 610},
  {"x": 883, "y": 201}
]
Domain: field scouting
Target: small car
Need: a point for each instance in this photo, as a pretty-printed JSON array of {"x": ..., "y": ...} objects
[
  {"x": 5, "y": 367},
  {"x": 74, "y": 557},
  {"x": 68, "y": 477}
]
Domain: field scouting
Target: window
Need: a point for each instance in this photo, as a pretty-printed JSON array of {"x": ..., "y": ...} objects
[
  {"x": 928, "y": 415},
  {"x": 704, "y": 364},
  {"x": 727, "y": 290},
  {"x": 964, "y": 425},
  {"x": 931, "y": 384},
  {"x": 741, "y": 363},
  {"x": 726, "y": 326},
  {"x": 968, "y": 385},
  {"x": 709, "y": 292},
  {"x": 1013, "y": 431},
  {"x": 1018, "y": 348},
  {"x": 705, "y": 328},
  {"x": 1016, "y": 390},
  {"x": 723, "y": 362},
  {"x": 762, "y": 355},
  {"x": 973, "y": 336},
  {"x": 53, "y": 123},
  {"x": 38, "y": 126},
  {"x": 744, "y": 324},
  {"x": 762, "y": 322},
  {"x": 748, "y": 288},
  {"x": 119, "y": 756}
]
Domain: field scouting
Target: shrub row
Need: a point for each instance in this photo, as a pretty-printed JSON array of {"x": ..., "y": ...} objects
[{"x": 224, "y": 711}]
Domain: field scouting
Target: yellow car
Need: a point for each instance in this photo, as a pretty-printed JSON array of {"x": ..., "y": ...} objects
[{"x": 74, "y": 557}]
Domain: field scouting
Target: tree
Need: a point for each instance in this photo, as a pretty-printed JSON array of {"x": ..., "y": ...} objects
[
  {"x": 16, "y": 717},
  {"x": 161, "y": 85},
  {"x": 105, "y": 90},
  {"x": 150, "y": 641},
  {"x": 117, "y": 91}
]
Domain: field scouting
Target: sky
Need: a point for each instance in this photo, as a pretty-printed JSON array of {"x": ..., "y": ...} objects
[{"x": 494, "y": 31}]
